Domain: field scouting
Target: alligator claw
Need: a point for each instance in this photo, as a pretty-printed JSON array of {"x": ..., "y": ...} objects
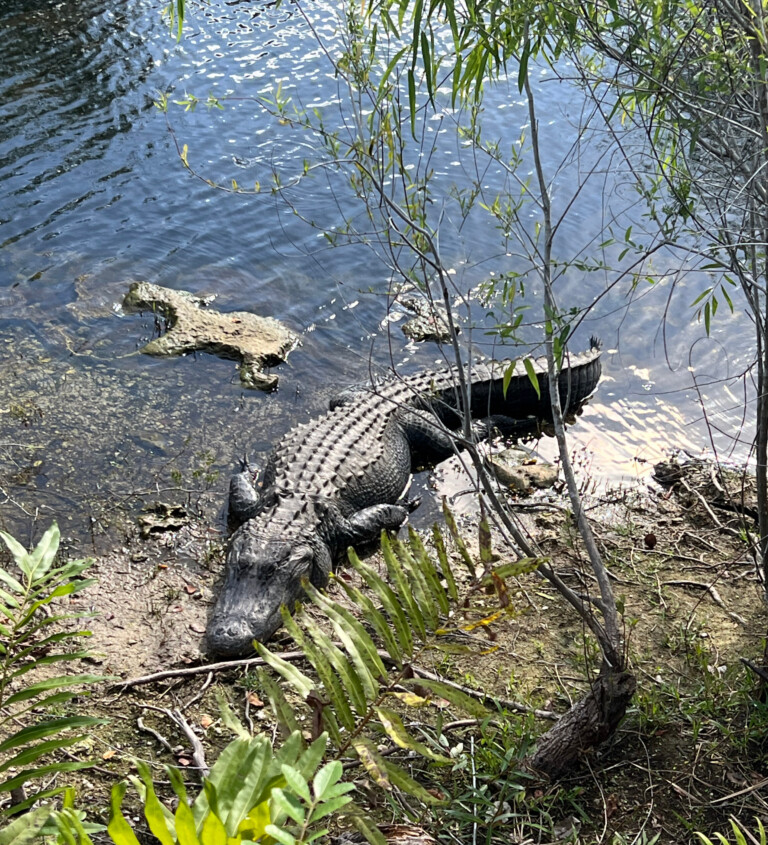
[{"x": 412, "y": 504}]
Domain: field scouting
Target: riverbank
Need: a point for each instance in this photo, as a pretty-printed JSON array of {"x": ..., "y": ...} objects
[{"x": 690, "y": 753}]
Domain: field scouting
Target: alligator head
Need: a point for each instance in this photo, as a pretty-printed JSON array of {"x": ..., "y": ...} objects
[{"x": 261, "y": 576}]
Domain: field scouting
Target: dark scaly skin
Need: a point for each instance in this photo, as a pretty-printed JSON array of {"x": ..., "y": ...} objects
[{"x": 338, "y": 481}]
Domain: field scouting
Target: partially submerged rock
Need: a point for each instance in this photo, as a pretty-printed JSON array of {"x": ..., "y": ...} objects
[
  {"x": 257, "y": 342},
  {"x": 430, "y": 322},
  {"x": 520, "y": 470}
]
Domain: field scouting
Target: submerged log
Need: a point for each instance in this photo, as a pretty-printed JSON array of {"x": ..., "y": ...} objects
[
  {"x": 257, "y": 342},
  {"x": 585, "y": 726}
]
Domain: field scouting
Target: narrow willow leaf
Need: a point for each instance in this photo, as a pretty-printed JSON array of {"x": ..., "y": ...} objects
[
  {"x": 518, "y": 567},
  {"x": 532, "y": 376},
  {"x": 396, "y": 731},
  {"x": 410, "y": 699},
  {"x": 389, "y": 601},
  {"x": 28, "y": 774},
  {"x": 34, "y": 752},
  {"x": 456, "y": 697},
  {"x": 373, "y": 762},
  {"x": 355, "y": 646},
  {"x": 120, "y": 832}
]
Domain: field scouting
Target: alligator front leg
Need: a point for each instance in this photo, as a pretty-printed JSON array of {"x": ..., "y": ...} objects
[
  {"x": 366, "y": 525},
  {"x": 244, "y": 499}
]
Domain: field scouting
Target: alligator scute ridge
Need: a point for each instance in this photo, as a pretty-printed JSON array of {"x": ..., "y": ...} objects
[{"x": 338, "y": 480}]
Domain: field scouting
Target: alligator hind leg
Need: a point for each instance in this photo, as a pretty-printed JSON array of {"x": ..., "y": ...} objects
[
  {"x": 244, "y": 499},
  {"x": 366, "y": 525}
]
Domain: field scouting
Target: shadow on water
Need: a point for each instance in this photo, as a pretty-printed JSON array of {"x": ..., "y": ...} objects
[{"x": 92, "y": 196}]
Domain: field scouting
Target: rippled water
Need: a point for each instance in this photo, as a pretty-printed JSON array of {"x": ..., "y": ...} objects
[{"x": 92, "y": 195}]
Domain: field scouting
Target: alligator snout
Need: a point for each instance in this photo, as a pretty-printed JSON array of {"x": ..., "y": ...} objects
[{"x": 233, "y": 637}]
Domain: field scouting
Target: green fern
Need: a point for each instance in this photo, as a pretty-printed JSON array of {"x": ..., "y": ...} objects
[
  {"x": 356, "y": 667},
  {"x": 31, "y": 637},
  {"x": 739, "y": 835}
]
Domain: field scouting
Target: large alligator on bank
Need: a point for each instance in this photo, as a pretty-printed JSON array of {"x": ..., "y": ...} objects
[{"x": 339, "y": 480}]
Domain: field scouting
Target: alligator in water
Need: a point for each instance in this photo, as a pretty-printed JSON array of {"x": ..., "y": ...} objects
[{"x": 339, "y": 480}]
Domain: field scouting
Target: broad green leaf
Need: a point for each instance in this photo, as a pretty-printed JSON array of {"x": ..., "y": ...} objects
[
  {"x": 10, "y": 582},
  {"x": 42, "y": 556},
  {"x": 328, "y": 776},
  {"x": 396, "y": 731},
  {"x": 159, "y": 819},
  {"x": 184, "y": 821},
  {"x": 18, "y": 551},
  {"x": 213, "y": 831},
  {"x": 119, "y": 830},
  {"x": 285, "y": 804},
  {"x": 282, "y": 836},
  {"x": 310, "y": 759},
  {"x": 332, "y": 805},
  {"x": 296, "y": 782},
  {"x": 255, "y": 824},
  {"x": 25, "y": 829}
]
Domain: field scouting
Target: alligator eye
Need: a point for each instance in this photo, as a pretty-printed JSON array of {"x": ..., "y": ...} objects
[{"x": 267, "y": 571}]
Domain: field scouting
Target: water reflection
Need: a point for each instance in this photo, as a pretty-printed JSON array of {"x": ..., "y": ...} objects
[{"x": 92, "y": 195}]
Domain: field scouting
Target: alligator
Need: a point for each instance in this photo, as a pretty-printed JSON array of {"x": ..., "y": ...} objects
[{"x": 341, "y": 479}]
